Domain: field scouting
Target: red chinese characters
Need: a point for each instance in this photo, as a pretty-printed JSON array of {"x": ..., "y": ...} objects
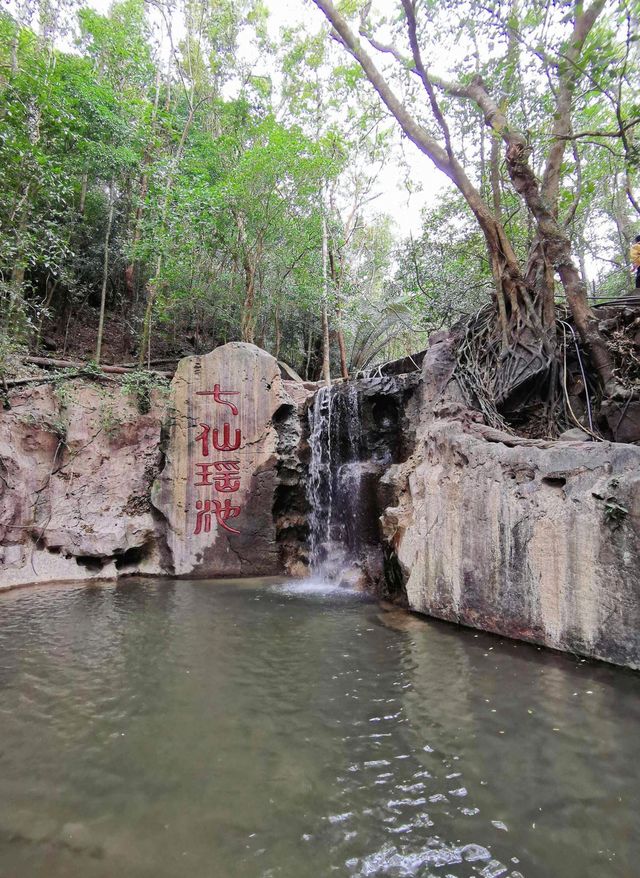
[
  {"x": 217, "y": 395},
  {"x": 221, "y": 511},
  {"x": 220, "y": 476},
  {"x": 210, "y": 439}
]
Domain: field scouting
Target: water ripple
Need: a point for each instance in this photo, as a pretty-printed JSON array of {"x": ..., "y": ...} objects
[{"x": 158, "y": 728}]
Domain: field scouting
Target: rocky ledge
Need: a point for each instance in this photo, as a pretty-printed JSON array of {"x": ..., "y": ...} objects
[{"x": 531, "y": 539}]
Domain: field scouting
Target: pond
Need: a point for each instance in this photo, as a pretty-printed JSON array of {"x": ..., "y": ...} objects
[{"x": 261, "y": 728}]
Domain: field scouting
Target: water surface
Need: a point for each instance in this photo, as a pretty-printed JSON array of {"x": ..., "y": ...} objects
[{"x": 237, "y": 730}]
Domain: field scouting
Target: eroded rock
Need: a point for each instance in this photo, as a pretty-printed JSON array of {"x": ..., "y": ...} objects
[
  {"x": 217, "y": 490},
  {"x": 76, "y": 468},
  {"x": 537, "y": 540}
]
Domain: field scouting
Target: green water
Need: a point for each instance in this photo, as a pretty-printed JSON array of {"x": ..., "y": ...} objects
[{"x": 233, "y": 730}]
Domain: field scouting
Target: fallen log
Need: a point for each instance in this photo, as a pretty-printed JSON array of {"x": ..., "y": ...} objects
[
  {"x": 154, "y": 362},
  {"x": 41, "y": 379},
  {"x": 49, "y": 363}
]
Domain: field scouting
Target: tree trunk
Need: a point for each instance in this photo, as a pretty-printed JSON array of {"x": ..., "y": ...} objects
[
  {"x": 105, "y": 274},
  {"x": 132, "y": 270},
  {"x": 326, "y": 351},
  {"x": 557, "y": 249},
  {"x": 145, "y": 341},
  {"x": 247, "y": 322},
  {"x": 276, "y": 320},
  {"x": 336, "y": 277},
  {"x": 344, "y": 369},
  {"x": 495, "y": 177},
  {"x": 307, "y": 365},
  {"x": 524, "y": 316},
  {"x": 51, "y": 288}
]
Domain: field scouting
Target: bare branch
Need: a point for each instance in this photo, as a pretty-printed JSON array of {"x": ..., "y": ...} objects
[
  {"x": 409, "y": 10},
  {"x": 388, "y": 49},
  {"x": 626, "y": 127}
]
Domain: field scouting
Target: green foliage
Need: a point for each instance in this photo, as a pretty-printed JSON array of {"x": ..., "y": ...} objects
[
  {"x": 109, "y": 421},
  {"x": 444, "y": 273},
  {"x": 63, "y": 392},
  {"x": 223, "y": 172},
  {"x": 614, "y": 513},
  {"x": 141, "y": 385}
]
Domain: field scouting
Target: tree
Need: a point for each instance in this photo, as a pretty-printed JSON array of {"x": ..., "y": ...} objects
[{"x": 523, "y": 289}]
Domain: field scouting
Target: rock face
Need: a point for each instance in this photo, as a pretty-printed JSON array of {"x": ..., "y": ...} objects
[
  {"x": 534, "y": 540},
  {"x": 530, "y": 539},
  {"x": 80, "y": 466},
  {"x": 217, "y": 490},
  {"x": 76, "y": 465}
]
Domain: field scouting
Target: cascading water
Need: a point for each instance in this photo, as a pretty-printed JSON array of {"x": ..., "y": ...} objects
[
  {"x": 355, "y": 435},
  {"x": 333, "y": 489},
  {"x": 319, "y": 484}
]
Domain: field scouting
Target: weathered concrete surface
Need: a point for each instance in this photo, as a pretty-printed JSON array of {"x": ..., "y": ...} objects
[
  {"x": 519, "y": 537},
  {"x": 76, "y": 467},
  {"x": 216, "y": 492}
]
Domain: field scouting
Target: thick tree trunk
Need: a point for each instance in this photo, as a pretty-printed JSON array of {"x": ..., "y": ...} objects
[
  {"x": 557, "y": 249},
  {"x": 525, "y": 311}
]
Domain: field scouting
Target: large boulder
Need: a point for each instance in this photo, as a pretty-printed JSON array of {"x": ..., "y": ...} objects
[
  {"x": 217, "y": 490},
  {"x": 78, "y": 460}
]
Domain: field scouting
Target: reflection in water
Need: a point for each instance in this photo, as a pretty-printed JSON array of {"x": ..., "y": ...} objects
[{"x": 254, "y": 729}]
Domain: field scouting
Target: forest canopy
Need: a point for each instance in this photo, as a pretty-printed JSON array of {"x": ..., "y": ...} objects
[{"x": 178, "y": 175}]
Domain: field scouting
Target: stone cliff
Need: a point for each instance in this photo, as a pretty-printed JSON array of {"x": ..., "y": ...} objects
[
  {"x": 530, "y": 539},
  {"x": 76, "y": 467},
  {"x": 91, "y": 488}
]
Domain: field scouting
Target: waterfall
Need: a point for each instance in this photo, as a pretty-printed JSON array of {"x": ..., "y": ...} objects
[
  {"x": 319, "y": 484},
  {"x": 334, "y": 484}
]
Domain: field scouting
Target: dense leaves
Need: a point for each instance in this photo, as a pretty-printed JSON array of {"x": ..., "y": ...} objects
[{"x": 150, "y": 168}]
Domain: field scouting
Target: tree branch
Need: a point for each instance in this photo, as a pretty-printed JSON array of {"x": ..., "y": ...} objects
[
  {"x": 631, "y": 124},
  {"x": 414, "y": 131}
]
